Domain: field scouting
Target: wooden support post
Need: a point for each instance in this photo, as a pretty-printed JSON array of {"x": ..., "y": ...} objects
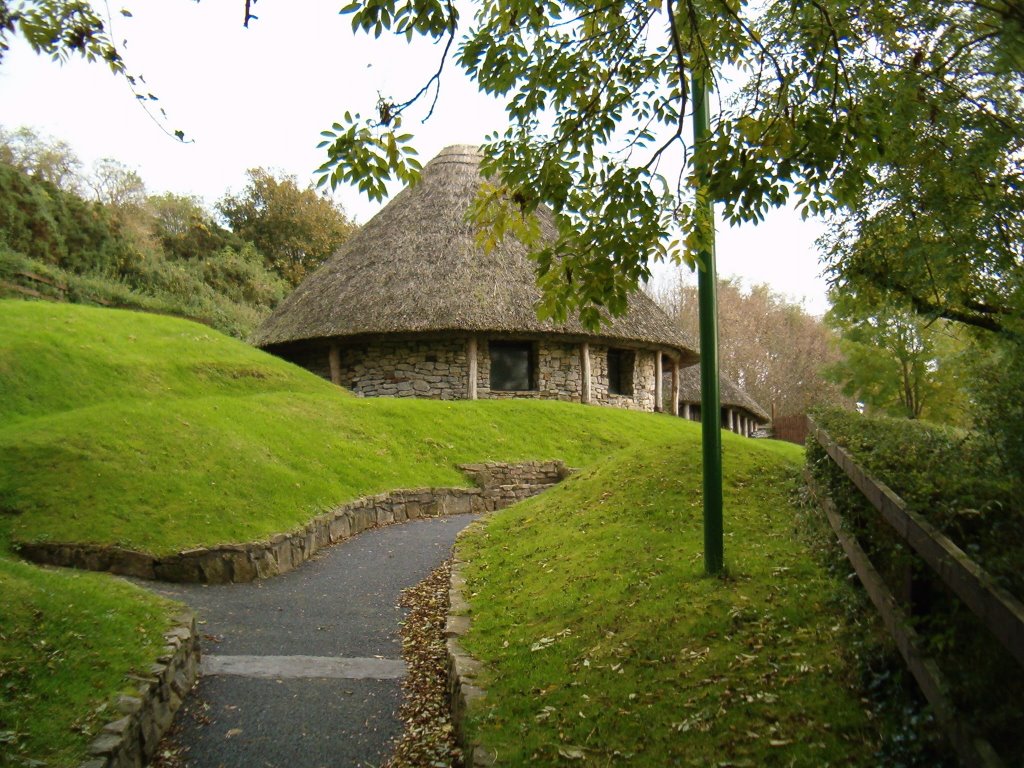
[
  {"x": 659, "y": 389},
  {"x": 585, "y": 368},
  {"x": 334, "y": 361},
  {"x": 675, "y": 386},
  {"x": 686, "y": 410},
  {"x": 471, "y": 357}
]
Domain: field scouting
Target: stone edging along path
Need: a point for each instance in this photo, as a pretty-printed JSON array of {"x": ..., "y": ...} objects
[
  {"x": 499, "y": 484},
  {"x": 463, "y": 671},
  {"x": 132, "y": 740}
]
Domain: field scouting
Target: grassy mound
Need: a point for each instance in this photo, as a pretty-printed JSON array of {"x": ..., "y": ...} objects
[
  {"x": 602, "y": 638},
  {"x": 159, "y": 434},
  {"x": 67, "y": 643},
  {"x": 162, "y": 434}
]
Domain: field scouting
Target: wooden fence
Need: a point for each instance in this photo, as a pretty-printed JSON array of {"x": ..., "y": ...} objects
[
  {"x": 999, "y": 612},
  {"x": 792, "y": 429}
]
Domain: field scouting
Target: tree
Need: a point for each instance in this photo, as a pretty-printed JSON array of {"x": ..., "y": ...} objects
[
  {"x": 186, "y": 230},
  {"x": 42, "y": 157},
  {"x": 839, "y": 100},
  {"x": 905, "y": 112},
  {"x": 897, "y": 363},
  {"x": 115, "y": 184},
  {"x": 295, "y": 229},
  {"x": 769, "y": 346}
]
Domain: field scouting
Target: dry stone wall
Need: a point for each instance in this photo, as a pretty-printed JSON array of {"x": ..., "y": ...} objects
[
  {"x": 131, "y": 740},
  {"x": 558, "y": 376},
  {"x": 465, "y": 691},
  {"x": 500, "y": 485},
  {"x": 439, "y": 369},
  {"x": 435, "y": 369},
  {"x": 642, "y": 398}
]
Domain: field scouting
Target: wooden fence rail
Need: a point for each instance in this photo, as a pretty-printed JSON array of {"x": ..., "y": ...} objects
[{"x": 999, "y": 611}]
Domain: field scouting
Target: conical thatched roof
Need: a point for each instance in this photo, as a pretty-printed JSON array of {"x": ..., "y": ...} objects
[
  {"x": 729, "y": 393},
  {"x": 415, "y": 268}
]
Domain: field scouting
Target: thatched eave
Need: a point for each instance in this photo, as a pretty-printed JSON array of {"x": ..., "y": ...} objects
[{"x": 415, "y": 268}]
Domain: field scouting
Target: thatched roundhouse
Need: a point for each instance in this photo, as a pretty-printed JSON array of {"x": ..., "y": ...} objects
[
  {"x": 740, "y": 412},
  {"x": 410, "y": 306}
]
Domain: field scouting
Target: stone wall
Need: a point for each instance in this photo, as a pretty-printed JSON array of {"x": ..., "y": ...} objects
[
  {"x": 559, "y": 374},
  {"x": 500, "y": 486},
  {"x": 643, "y": 380},
  {"x": 131, "y": 740},
  {"x": 560, "y": 377},
  {"x": 439, "y": 369},
  {"x": 464, "y": 688}
]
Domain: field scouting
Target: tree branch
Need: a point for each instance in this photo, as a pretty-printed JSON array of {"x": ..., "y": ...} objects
[{"x": 683, "y": 87}]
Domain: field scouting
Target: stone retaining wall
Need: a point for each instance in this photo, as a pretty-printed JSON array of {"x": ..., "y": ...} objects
[
  {"x": 464, "y": 690},
  {"x": 132, "y": 739},
  {"x": 500, "y": 484}
]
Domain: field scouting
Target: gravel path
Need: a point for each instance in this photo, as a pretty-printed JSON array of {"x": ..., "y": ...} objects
[{"x": 304, "y": 670}]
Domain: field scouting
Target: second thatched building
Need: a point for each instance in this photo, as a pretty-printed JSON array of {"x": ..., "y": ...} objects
[{"x": 411, "y": 306}]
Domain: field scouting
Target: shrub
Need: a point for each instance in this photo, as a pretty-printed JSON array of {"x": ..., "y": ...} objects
[
  {"x": 59, "y": 228},
  {"x": 954, "y": 479}
]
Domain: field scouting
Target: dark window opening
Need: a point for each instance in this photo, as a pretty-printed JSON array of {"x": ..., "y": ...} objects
[
  {"x": 430, "y": 359},
  {"x": 694, "y": 412},
  {"x": 512, "y": 365},
  {"x": 620, "y": 371}
]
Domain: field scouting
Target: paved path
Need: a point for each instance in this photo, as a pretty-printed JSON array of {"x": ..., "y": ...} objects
[{"x": 303, "y": 670}]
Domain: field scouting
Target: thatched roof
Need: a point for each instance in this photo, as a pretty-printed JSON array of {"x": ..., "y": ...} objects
[
  {"x": 415, "y": 268},
  {"x": 729, "y": 393}
]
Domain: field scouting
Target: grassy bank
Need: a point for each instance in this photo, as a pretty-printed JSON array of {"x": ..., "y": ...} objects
[
  {"x": 68, "y": 642},
  {"x": 159, "y": 434},
  {"x": 603, "y": 639}
]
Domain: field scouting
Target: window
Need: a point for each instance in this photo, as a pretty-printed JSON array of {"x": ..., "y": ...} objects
[
  {"x": 512, "y": 365},
  {"x": 620, "y": 371}
]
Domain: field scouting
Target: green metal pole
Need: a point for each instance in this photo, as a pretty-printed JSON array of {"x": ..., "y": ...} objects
[{"x": 707, "y": 288}]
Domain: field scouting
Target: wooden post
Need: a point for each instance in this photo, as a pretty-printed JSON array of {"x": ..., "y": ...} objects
[
  {"x": 659, "y": 393},
  {"x": 471, "y": 356},
  {"x": 585, "y": 368},
  {"x": 675, "y": 386},
  {"x": 686, "y": 410},
  {"x": 334, "y": 361}
]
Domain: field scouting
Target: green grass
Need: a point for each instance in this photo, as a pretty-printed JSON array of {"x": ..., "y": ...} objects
[
  {"x": 68, "y": 641},
  {"x": 601, "y": 636},
  {"x": 159, "y": 434}
]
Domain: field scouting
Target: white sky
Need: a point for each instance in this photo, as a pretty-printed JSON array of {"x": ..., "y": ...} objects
[{"x": 259, "y": 97}]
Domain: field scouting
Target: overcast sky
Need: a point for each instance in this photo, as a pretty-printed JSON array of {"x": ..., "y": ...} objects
[{"x": 259, "y": 97}]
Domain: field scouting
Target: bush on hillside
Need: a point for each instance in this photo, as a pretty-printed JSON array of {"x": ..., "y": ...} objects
[
  {"x": 175, "y": 291},
  {"x": 59, "y": 228},
  {"x": 167, "y": 256},
  {"x": 955, "y": 480},
  {"x": 185, "y": 229},
  {"x": 240, "y": 275}
]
